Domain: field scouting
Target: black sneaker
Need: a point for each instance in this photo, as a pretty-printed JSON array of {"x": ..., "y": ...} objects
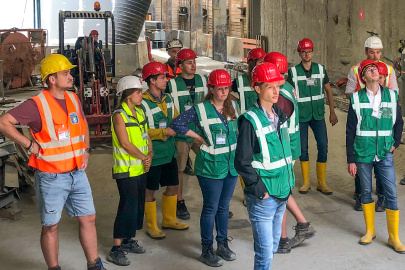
[
  {"x": 230, "y": 214},
  {"x": 224, "y": 252},
  {"x": 133, "y": 247},
  {"x": 284, "y": 246},
  {"x": 209, "y": 257},
  {"x": 55, "y": 268},
  {"x": 380, "y": 204},
  {"x": 118, "y": 257},
  {"x": 189, "y": 168},
  {"x": 402, "y": 182},
  {"x": 97, "y": 266},
  {"x": 357, "y": 204},
  {"x": 182, "y": 212}
]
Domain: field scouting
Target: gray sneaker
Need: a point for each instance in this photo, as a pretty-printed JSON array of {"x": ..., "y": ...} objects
[
  {"x": 118, "y": 257},
  {"x": 133, "y": 247},
  {"x": 97, "y": 266}
]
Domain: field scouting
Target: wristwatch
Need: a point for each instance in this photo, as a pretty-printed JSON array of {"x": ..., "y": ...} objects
[{"x": 88, "y": 150}]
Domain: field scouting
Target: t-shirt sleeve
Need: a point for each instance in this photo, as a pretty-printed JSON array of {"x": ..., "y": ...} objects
[
  {"x": 326, "y": 78},
  {"x": 289, "y": 78},
  {"x": 27, "y": 114},
  {"x": 351, "y": 84}
]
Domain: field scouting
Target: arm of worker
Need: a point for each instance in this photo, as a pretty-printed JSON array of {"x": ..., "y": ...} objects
[
  {"x": 351, "y": 84},
  {"x": 246, "y": 146},
  {"x": 7, "y": 122},
  {"x": 393, "y": 81},
  {"x": 86, "y": 154},
  {"x": 179, "y": 125},
  {"x": 332, "y": 116},
  {"x": 398, "y": 128},
  {"x": 351, "y": 125}
]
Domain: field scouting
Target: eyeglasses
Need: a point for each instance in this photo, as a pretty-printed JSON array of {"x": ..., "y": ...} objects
[
  {"x": 306, "y": 52},
  {"x": 372, "y": 70}
]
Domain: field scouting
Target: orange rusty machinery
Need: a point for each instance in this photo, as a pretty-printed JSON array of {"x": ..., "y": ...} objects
[
  {"x": 21, "y": 51},
  {"x": 95, "y": 67}
]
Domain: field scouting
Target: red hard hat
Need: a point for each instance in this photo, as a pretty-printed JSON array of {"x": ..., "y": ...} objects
[
  {"x": 278, "y": 59},
  {"x": 94, "y": 32},
  {"x": 382, "y": 68},
  {"x": 153, "y": 68},
  {"x": 219, "y": 77},
  {"x": 257, "y": 53},
  {"x": 363, "y": 67},
  {"x": 305, "y": 44},
  {"x": 266, "y": 72},
  {"x": 184, "y": 54}
]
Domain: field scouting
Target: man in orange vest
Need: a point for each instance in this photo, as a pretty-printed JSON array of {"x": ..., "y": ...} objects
[
  {"x": 59, "y": 154},
  {"x": 172, "y": 47},
  {"x": 372, "y": 47}
]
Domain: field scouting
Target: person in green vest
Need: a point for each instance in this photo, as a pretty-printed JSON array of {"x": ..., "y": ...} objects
[
  {"x": 373, "y": 131},
  {"x": 310, "y": 81},
  {"x": 242, "y": 86},
  {"x": 160, "y": 111},
  {"x": 264, "y": 160},
  {"x": 214, "y": 165},
  {"x": 187, "y": 89},
  {"x": 132, "y": 158},
  {"x": 287, "y": 101}
]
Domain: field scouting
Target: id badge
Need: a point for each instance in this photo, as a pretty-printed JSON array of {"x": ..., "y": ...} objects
[
  {"x": 144, "y": 135},
  {"x": 63, "y": 134},
  {"x": 310, "y": 82},
  {"x": 220, "y": 139},
  {"x": 73, "y": 118},
  {"x": 162, "y": 124},
  {"x": 377, "y": 114}
]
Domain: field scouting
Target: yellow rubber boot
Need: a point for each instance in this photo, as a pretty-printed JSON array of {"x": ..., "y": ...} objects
[
  {"x": 321, "y": 175},
  {"x": 392, "y": 225},
  {"x": 306, "y": 186},
  {"x": 369, "y": 218},
  {"x": 170, "y": 221},
  {"x": 151, "y": 225},
  {"x": 242, "y": 184}
]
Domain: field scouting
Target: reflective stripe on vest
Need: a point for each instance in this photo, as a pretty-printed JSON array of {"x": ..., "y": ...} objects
[
  {"x": 294, "y": 124},
  {"x": 296, "y": 79},
  {"x": 360, "y": 84},
  {"x": 242, "y": 89},
  {"x": 65, "y": 155},
  {"x": 151, "y": 112},
  {"x": 176, "y": 93}
]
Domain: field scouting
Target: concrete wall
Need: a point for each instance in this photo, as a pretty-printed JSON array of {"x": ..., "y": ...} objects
[{"x": 334, "y": 26}]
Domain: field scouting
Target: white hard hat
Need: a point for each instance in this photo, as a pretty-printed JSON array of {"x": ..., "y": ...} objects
[
  {"x": 130, "y": 82},
  {"x": 373, "y": 43},
  {"x": 174, "y": 43}
]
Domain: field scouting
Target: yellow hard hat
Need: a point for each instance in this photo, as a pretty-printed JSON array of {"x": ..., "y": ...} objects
[{"x": 54, "y": 63}]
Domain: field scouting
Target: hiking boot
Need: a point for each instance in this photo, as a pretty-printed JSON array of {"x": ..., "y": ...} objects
[
  {"x": 402, "y": 182},
  {"x": 118, "y": 257},
  {"x": 209, "y": 257},
  {"x": 230, "y": 214},
  {"x": 133, "y": 247},
  {"x": 380, "y": 204},
  {"x": 189, "y": 168},
  {"x": 357, "y": 204},
  {"x": 182, "y": 212},
  {"x": 284, "y": 246},
  {"x": 97, "y": 266},
  {"x": 224, "y": 252},
  {"x": 302, "y": 231}
]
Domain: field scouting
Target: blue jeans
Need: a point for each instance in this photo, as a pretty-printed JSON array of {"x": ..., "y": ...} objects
[
  {"x": 321, "y": 137},
  {"x": 384, "y": 171},
  {"x": 378, "y": 186},
  {"x": 266, "y": 217},
  {"x": 217, "y": 194}
]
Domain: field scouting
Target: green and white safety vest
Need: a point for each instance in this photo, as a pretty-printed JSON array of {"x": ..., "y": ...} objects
[
  {"x": 274, "y": 162},
  {"x": 247, "y": 95},
  {"x": 125, "y": 165},
  {"x": 310, "y": 92},
  {"x": 182, "y": 99},
  {"x": 164, "y": 151},
  {"x": 217, "y": 159},
  {"x": 374, "y": 136},
  {"x": 286, "y": 90}
]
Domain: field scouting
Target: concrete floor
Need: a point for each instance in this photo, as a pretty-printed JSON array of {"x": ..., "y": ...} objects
[{"x": 335, "y": 245}]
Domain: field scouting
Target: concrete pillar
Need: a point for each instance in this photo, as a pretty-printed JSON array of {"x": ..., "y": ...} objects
[
  {"x": 167, "y": 17},
  {"x": 219, "y": 24},
  {"x": 196, "y": 20}
]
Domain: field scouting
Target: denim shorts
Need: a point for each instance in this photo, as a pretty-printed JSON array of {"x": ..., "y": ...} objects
[{"x": 55, "y": 191}]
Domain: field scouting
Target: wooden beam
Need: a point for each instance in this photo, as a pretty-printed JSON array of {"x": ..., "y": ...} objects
[{"x": 196, "y": 20}]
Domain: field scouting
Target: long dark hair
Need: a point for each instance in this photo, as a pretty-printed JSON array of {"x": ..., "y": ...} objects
[
  {"x": 229, "y": 110},
  {"x": 125, "y": 94}
]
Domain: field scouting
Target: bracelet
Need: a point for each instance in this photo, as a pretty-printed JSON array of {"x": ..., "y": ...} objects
[
  {"x": 151, "y": 152},
  {"x": 30, "y": 146}
]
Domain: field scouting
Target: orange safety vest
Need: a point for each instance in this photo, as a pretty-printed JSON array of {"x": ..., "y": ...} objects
[
  {"x": 55, "y": 155},
  {"x": 361, "y": 85},
  {"x": 171, "y": 74}
]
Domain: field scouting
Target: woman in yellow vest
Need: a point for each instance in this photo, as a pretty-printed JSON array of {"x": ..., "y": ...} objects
[
  {"x": 216, "y": 118},
  {"x": 132, "y": 153}
]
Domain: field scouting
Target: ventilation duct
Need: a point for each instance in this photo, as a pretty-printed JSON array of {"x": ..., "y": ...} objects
[{"x": 129, "y": 18}]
